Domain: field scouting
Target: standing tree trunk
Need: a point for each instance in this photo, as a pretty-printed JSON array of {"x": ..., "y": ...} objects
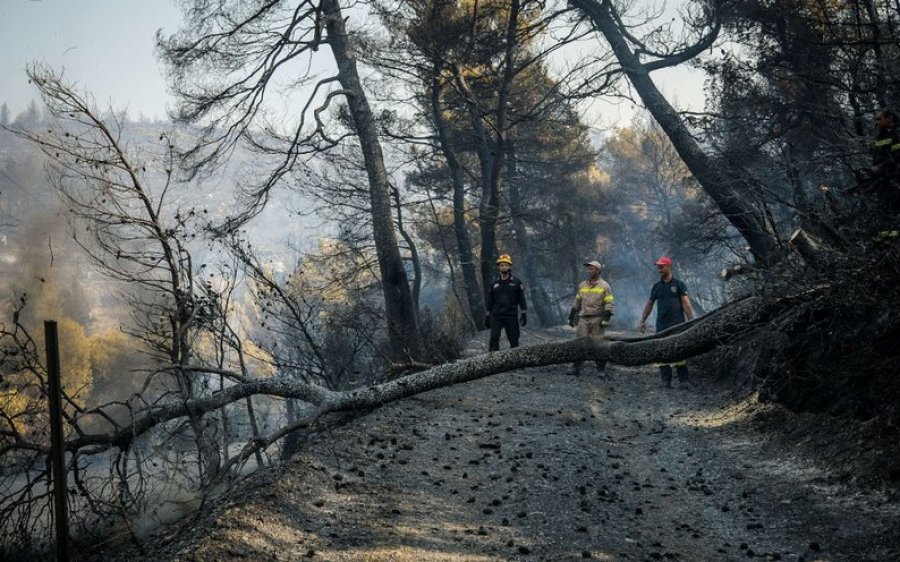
[
  {"x": 490, "y": 196},
  {"x": 491, "y": 148},
  {"x": 291, "y": 443},
  {"x": 737, "y": 208},
  {"x": 413, "y": 252},
  {"x": 875, "y": 25},
  {"x": 460, "y": 226},
  {"x": 540, "y": 301},
  {"x": 399, "y": 308}
]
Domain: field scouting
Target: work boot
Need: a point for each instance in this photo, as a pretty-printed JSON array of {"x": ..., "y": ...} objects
[
  {"x": 683, "y": 376},
  {"x": 601, "y": 371},
  {"x": 665, "y": 374}
]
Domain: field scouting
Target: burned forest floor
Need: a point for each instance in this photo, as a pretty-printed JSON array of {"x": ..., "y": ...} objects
[{"x": 538, "y": 465}]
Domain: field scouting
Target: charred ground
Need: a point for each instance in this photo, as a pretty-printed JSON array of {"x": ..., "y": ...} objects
[{"x": 536, "y": 465}]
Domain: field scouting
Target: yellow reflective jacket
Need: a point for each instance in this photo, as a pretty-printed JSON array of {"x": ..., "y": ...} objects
[{"x": 594, "y": 298}]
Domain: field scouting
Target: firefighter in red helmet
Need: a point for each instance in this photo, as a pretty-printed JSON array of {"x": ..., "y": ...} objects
[{"x": 673, "y": 306}]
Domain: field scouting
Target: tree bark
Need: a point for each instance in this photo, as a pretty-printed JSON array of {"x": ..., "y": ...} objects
[
  {"x": 490, "y": 196},
  {"x": 399, "y": 308},
  {"x": 413, "y": 253},
  {"x": 540, "y": 302},
  {"x": 460, "y": 225},
  {"x": 491, "y": 149},
  {"x": 292, "y": 439},
  {"x": 737, "y": 208}
]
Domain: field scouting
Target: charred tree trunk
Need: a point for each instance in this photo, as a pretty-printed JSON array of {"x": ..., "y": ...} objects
[
  {"x": 291, "y": 443},
  {"x": 254, "y": 428},
  {"x": 460, "y": 225},
  {"x": 492, "y": 149},
  {"x": 736, "y": 207},
  {"x": 399, "y": 308},
  {"x": 413, "y": 253},
  {"x": 874, "y": 27},
  {"x": 540, "y": 302},
  {"x": 490, "y": 196},
  {"x": 210, "y": 459}
]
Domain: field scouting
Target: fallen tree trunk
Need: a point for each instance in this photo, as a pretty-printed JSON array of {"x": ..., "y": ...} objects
[{"x": 698, "y": 336}]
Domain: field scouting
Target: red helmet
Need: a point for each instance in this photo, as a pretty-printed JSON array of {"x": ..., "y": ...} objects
[{"x": 664, "y": 261}]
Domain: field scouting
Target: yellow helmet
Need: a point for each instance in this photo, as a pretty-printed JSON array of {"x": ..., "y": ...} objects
[{"x": 504, "y": 258}]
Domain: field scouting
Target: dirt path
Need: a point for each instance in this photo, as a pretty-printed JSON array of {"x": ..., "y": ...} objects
[{"x": 537, "y": 465}]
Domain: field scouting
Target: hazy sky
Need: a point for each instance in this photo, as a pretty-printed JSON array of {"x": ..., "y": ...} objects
[
  {"x": 104, "y": 45},
  {"x": 107, "y": 47}
]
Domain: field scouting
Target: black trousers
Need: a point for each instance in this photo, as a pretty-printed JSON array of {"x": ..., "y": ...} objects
[
  {"x": 665, "y": 372},
  {"x": 508, "y": 323}
]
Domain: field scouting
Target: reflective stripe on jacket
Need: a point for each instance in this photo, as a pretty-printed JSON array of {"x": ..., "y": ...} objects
[{"x": 594, "y": 299}]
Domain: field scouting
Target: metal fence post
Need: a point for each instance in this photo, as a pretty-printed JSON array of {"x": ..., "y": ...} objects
[{"x": 57, "y": 446}]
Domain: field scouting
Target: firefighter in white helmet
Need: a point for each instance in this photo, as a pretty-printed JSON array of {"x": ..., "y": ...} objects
[{"x": 592, "y": 309}]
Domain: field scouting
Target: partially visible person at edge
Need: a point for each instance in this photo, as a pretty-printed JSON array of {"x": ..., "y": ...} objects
[
  {"x": 673, "y": 306},
  {"x": 883, "y": 178},
  {"x": 505, "y": 297},
  {"x": 592, "y": 310}
]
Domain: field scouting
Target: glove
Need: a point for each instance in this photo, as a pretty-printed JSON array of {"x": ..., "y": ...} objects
[
  {"x": 487, "y": 321},
  {"x": 604, "y": 319},
  {"x": 573, "y": 318},
  {"x": 523, "y": 319}
]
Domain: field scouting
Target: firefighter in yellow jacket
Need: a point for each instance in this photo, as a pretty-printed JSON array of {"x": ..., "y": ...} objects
[{"x": 592, "y": 309}]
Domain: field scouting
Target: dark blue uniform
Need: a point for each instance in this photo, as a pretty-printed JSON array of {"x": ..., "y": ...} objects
[
  {"x": 670, "y": 312},
  {"x": 667, "y": 296},
  {"x": 505, "y": 298}
]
